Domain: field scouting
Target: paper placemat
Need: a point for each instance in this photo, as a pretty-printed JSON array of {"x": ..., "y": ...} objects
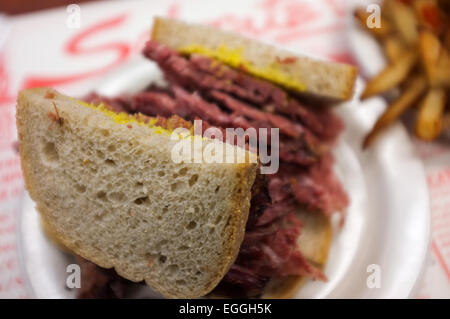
[{"x": 72, "y": 48}]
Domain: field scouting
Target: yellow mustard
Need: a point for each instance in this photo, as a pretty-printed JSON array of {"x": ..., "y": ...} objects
[
  {"x": 125, "y": 118},
  {"x": 234, "y": 58}
]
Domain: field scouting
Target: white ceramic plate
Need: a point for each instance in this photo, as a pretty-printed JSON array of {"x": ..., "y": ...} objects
[{"x": 387, "y": 223}]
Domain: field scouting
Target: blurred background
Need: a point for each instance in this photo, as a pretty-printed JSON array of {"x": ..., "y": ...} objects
[{"x": 70, "y": 46}]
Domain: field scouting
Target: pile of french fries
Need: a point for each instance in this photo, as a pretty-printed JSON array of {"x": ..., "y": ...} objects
[{"x": 415, "y": 37}]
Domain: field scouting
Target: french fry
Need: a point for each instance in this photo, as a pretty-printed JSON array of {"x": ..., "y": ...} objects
[
  {"x": 415, "y": 88},
  {"x": 404, "y": 21},
  {"x": 391, "y": 76},
  {"x": 393, "y": 48},
  {"x": 430, "y": 50},
  {"x": 361, "y": 14},
  {"x": 442, "y": 71},
  {"x": 435, "y": 59},
  {"x": 418, "y": 31},
  {"x": 429, "y": 119}
]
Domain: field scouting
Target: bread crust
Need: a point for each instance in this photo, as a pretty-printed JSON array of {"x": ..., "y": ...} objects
[{"x": 241, "y": 206}]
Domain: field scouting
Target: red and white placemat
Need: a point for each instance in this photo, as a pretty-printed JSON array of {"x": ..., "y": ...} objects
[
  {"x": 72, "y": 48},
  {"x": 436, "y": 159}
]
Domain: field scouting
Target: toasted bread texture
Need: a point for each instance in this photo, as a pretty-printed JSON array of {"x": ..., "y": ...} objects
[
  {"x": 333, "y": 81},
  {"x": 110, "y": 191}
]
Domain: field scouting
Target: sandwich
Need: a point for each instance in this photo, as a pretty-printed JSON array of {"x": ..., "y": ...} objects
[{"x": 108, "y": 188}]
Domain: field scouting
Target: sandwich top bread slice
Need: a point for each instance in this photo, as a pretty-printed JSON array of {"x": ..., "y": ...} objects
[
  {"x": 328, "y": 80},
  {"x": 106, "y": 186}
]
